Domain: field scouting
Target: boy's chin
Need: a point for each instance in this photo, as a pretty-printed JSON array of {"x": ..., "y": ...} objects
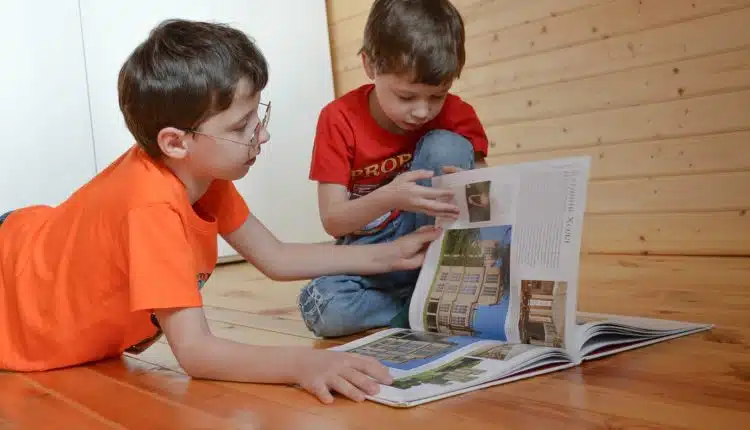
[{"x": 237, "y": 173}]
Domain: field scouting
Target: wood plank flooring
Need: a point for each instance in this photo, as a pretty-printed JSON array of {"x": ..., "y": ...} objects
[{"x": 697, "y": 382}]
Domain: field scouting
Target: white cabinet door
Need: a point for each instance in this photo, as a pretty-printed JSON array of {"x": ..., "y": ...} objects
[
  {"x": 293, "y": 35},
  {"x": 45, "y": 130}
]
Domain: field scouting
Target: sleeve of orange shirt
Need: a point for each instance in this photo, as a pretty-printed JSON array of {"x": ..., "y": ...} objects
[
  {"x": 159, "y": 261},
  {"x": 224, "y": 202}
]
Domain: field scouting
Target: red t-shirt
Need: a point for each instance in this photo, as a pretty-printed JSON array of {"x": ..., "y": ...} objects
[
  {"x": 353, "y": 150},
  {"x": 78, "y": 281}
]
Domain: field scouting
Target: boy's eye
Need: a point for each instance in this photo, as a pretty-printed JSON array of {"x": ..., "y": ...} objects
[{"x": 406, "y": 98}]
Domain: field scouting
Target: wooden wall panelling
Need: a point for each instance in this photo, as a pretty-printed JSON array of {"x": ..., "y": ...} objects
[
  {"x": 680, "y": 118},
  {"x": 718, "y": 233},
  {"x": 662, "y": 44},
  {"x": 700, "y": 76},
  {"x": 716, "y": 191},
  {"x": 487, "y": 16},
  {"x": 604, "y": 20},
  {"x": 704, "y": 153},
  {"x": 343, "y": 10}
]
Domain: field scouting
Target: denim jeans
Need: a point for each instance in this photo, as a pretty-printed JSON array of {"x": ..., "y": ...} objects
[
  {"x": 339, "y": 305},
  {"x": 3, "y": 216}
]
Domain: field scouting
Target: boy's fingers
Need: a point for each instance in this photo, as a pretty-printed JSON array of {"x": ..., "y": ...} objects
[
  {"x": 443, "y": 216},
  {"x": 425, "y": 228},
  {"x": 375, "y": 369},
  {"x": 422, "y": 237},
  {"x": 320, "y": 390},
  {"x": 415, "y": 261},
  {"x": 439, "y": 207},
  {"x": 345, "y": 388},
  {"x": 361, "y": 381},
  {"x": 416, "y": 175},
  {"x": 435, "y": 193},
  {"x": 430, "y": 234}
]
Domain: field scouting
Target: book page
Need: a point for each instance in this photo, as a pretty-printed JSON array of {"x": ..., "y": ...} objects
[
  {"x": 485, "y": 363},
  {"x": 425, "y": 365},
  {"x": 405, "y": 350},
  {"x": 507, "y": 268},
  {"x": 635, "y": 322}
]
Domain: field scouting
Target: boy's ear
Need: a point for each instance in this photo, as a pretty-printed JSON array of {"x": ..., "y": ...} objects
[{"x": 172, "y": 142}]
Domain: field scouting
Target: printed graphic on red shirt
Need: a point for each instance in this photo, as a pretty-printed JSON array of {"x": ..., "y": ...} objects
[{"x": 374, "y": 176}]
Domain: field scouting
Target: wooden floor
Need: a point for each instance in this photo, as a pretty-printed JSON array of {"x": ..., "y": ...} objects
[{"x": 697, "y": 382}]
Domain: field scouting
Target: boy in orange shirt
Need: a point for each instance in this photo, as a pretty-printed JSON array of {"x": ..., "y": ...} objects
[
  {"x": 376, "y": 149},
  {"x": 123, "y": 258}
]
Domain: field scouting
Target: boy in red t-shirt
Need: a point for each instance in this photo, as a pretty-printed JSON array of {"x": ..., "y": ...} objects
[
  {"x": 124, "y": 257},
  {"x": 375, "y": 150}
]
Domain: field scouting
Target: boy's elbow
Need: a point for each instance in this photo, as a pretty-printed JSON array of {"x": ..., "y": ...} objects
[
  {"x": 191, "y": 362},
  {"x": 194, "y": 370},
  {"x": 332, "y": 226},
  {"x": 279, "y": 276},
  {"x": 278, "y": 271}
]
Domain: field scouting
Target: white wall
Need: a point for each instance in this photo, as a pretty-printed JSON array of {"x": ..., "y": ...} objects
[
  {"x": 45, "y": 130},
  {"x": 50, "y": 115}
]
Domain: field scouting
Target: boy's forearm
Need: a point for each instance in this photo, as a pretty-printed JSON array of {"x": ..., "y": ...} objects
[
  {"x": 293, "y": 261},
  {"x": 306, "y": 261},
  {"x": 351, "y": 215},
  {"x": 225, "y": 360}
]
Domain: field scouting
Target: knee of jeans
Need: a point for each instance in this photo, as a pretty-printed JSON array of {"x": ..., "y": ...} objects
[
  {"x": 439, "y": 148},
  {"x": 319, "y": 316}
]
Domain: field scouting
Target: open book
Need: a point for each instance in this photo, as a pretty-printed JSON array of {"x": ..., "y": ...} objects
[{"x": 496, "y": 299}]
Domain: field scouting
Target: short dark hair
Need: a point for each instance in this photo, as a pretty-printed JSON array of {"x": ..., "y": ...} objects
[
  {"x": 184, "y": 73},
  {"x": 424, "y": 38}
]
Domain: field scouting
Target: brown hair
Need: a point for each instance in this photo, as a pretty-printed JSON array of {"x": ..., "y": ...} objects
[
  {"x": 184, "y": 73},
  {"x": 423, "y": 38}
]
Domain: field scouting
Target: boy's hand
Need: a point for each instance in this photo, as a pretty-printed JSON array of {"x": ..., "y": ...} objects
[
  {"x": 409, "y": 250},
  {"x": 409, "y": 196},
  {"x": 352, "y": 375}
]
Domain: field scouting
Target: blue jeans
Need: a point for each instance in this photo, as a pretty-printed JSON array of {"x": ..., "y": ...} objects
[
  {"x": 339, "y": 305},
  {"x": 3, "y": 216}
]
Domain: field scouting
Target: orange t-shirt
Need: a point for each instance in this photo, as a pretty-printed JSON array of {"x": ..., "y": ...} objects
[{"x": 78, "y": 281}]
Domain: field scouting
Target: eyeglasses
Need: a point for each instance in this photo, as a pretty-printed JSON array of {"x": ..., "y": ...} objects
[{"x": 255, "y": 138}]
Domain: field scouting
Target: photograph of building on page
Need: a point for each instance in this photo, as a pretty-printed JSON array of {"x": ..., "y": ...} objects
[
  {"x": 542, "y": 320},
  {"x": 469, "y": 295}
]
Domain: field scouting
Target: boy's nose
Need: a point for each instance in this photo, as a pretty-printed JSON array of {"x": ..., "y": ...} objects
[
  {"x": 265, "y": 136},
  {"x": 420, "y": 112}
]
